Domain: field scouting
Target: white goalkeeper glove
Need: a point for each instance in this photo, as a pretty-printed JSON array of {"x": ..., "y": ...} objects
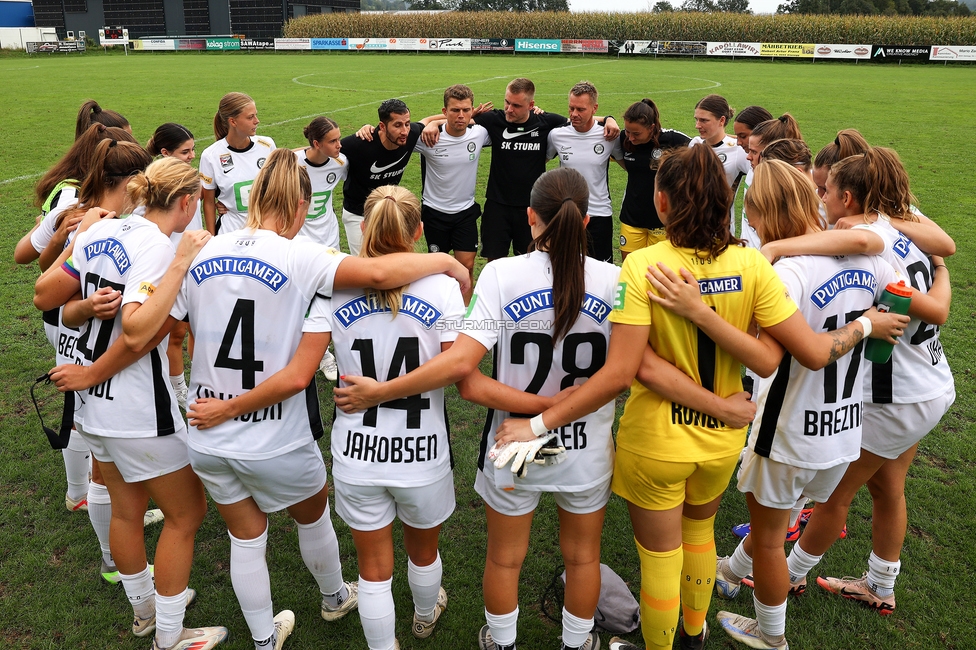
[{"x": 543, "y": 451}]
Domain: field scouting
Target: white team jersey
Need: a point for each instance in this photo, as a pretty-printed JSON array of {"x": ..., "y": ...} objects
[
  {"x": 511, "y": 311},
  {"x": 45, "y": 230},
  {"x": 918, "y": 370},
  {"x": 403, "y": 442},
  {"x": 588, "y": 153},
  {"x": 733, "y": 157},
  {"x": 812, "y": 419},
  {"x": 746, "y": 231},
  {"x": 451, "y": 169},
  {"x": 231, "y": 172},
  {"x": 130, "y": 255},
  {"x": 196, "y": 223},
  {"x": 246, "y": 296},
  {"x": 321, "y": 223}
]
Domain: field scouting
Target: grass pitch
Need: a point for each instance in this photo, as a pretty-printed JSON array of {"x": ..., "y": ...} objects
[{"x": 50, "y": 592}]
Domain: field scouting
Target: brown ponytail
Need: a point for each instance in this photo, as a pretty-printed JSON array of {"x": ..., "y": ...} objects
[
  {"x": 699, "y": 200},
  {"x": 74, "y": 165},
  {"x": 231, "y": 105},
  {"x": 91, "y": 113},
  {"x": 560, "y": 199}
]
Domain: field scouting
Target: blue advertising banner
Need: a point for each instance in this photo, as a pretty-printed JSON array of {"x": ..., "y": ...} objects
[{"x": 330, "y": 44}]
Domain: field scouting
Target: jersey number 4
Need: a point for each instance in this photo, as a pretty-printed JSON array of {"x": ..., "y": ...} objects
[
  {"x": 241, "y": 320},
  {"x": 406, "y": 355}
]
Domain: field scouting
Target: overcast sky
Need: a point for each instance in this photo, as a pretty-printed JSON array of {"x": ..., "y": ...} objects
[{"x": 757, "y": 6}]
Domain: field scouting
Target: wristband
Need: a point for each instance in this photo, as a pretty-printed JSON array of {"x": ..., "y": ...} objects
[
  {"x": 866, "y": 324},
  {"x": 538, "y": 428}
]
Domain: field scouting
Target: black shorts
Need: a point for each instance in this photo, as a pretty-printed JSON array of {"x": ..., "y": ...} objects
[
  {"x": 599, "y": 239},
  {"x": 451, "y": 232},
  {"x": 503, "y": 226}
]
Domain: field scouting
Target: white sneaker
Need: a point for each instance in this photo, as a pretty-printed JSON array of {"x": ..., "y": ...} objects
[
  {"x": 331, "y": 613},
  {"x": 284, "y": 623},
  {"x": 423, "y": 629},
  {"x": 746, "y": 630},
  {"x": 726, "y": 583},
  {"x": 329, "y": 367},
  {"x": 153, "y": 516},
  {"x": 197, "y": 638},
  {"x": 142, "y": 627},
  {"x": 81, "y": 505}
]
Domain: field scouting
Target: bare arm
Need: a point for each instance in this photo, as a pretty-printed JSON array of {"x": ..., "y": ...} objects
[
  {"x": 927, "y": 235},
  {"x": 666, "y": 380},
  {"x": 827, "y": 242},
  {"x": 396, "y": 270},
  {"x": 933, "y": 307},
  {"x": 210, "y": 210},
  {"x": 448, "y": 367},
  {"x": 682, "y": 296},
  {"x": 118, "y": 356},
  {"x": 207, "y": 412},
  {"x": 24, "y": 252},
  {"x": 141, "y": 322},
  {"x": 627, "y": 343}
]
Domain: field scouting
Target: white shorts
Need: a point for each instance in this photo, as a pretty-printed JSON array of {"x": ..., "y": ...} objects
[
  {"x": 779, "y": 486},
  {"x": 889, "y": 430},
  {"x": 518, "y": 502},
  {"x": 140, "y": 459},
  {"x": 371, "y": 507},
  {"x": 274, "y": 483}
]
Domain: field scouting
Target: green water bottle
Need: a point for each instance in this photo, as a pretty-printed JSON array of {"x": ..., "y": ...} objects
[{"x": 896, "y": 298}]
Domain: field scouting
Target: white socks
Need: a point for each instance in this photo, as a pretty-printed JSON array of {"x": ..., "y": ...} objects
[
  {"x": 882, "y": 575},
  {"x": 141, "y": 592},
  {"x": 100, "y": 514},
  {"x": 772, "y": 618},
  {"x": 799, "y": 563},
  {"x": 169, "y": 618},
  {"x": 320, "y": 552},
  {"x": 252, "y": 584},
  {"x": 504, "y": 627},
  {"x": 576, "y": 630},
  {"x": 425, "y": 584},
  {"x": 377, "y": 614},
  {"x": 77, "y": 463},
  {"x": 739, "y": 562}
]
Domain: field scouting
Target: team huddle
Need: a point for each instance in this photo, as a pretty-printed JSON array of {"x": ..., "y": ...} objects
[{"x": 141, "y": 253}]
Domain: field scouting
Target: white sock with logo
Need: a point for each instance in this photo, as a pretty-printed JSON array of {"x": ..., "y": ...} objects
[
  {"x": 882, "y": 575},
  {"x": 799, "y": 562}
]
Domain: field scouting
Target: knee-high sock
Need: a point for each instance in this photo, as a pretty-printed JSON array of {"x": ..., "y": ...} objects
[
  {"x": 252, "y": 584},
  {"x": 576, "y": 630},
  {"x": 169, "y": 618},
  {"x": 100, "y": 514},
  {"x": 320, "y": 552},
  {"x": 660, "y": 599},
  {"x": 377, "y": 613},
  {"x": 141, "y": 592},
  {"x": 697, "y": 571},
  {"x": 504, "y": 627},
  {"x": 77, "y": 462},
  {"x": 425, "y": 583}
]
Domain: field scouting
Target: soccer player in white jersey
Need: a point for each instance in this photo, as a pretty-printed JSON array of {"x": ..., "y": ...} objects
[
  {"x": 246, "y": 296},
  {"x": 130, "y": 419},
  {"x": 546, "y": 316},
  {"x": 712, "y": 116},
  {"x": 450, "y": 171},
  {"x": 904, "y": 398},
  {"x": 326, "y": 168},
  {"x": 795, "y": 448},
  {"x": 581, "y": 145},
  {"x": 229, "y": 165},
  {"x": 742, "y": 125},
  {"x": 171, "y": 139},
  {"x": 393, "y": 461}
]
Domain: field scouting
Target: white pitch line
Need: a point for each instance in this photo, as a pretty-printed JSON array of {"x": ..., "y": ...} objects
[{"x": 20, "y": 178}]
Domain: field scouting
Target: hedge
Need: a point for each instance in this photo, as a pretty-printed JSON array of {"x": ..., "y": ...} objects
[{"x": 882, "y": 30}]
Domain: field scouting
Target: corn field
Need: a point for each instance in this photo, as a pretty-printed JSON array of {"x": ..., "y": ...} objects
[{"x": 881, "y": 30}]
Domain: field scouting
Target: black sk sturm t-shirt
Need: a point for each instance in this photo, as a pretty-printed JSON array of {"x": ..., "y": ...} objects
[
  {"x": 372, "y": 165},
  {"x": 641, "y": 163},
  {"x": 518, "y": 154}
]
